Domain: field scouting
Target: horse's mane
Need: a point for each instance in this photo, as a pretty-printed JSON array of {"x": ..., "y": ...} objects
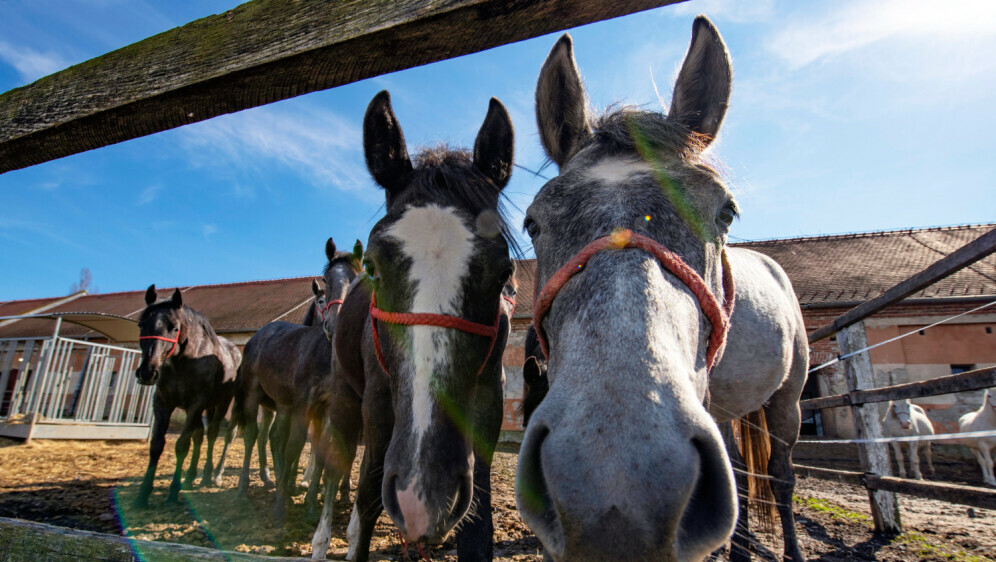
[
  {"x": 622, "y": 126},
  {"x": 343, "y": 257},
  {"x": 192, "y": 316},
  {"x": 448, "y": 174}
]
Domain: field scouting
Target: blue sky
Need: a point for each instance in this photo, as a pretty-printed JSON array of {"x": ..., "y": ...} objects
[{"x": 845, "y": 116}]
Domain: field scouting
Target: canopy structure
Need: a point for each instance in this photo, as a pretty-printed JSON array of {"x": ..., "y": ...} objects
[{"x": 117, "y": 328}]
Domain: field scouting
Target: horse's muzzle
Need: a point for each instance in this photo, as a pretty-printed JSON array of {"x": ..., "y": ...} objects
[{"x": 151, "y": 376}]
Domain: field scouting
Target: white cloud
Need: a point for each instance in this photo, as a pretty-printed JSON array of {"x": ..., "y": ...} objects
[
  {"x": 853, "y": 25},
  {"x": 730, "y": 10},
  {"x": 317, "y": 144},
  {"x": 209, "y": 229},
  {"x": 29, "y": 63},
  {"x": 149, "y": 194}
]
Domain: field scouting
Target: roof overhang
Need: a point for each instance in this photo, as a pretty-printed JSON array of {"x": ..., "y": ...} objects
[{"x": 117, "y": 328}]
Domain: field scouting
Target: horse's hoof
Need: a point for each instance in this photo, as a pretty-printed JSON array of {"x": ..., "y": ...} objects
[
  {"x": 269, "y": 484},
  {"x": 172, "y": 499},
  {"x": 217, "y": 481}
]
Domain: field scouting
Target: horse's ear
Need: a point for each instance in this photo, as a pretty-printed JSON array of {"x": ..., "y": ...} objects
[
  {"x": 494, "y": 148},
  {"x": 330, "y": 249},
  {"x": 177, "y": 299},
  {"x": 531, "y": 371},
  {"x": 561, "y": 103},
  {"x": 315, "y": 288},
  {"x": 384, "y": 145},
  {"x": 702, "y": 90},
  {"x": 150, "y": 294},
  {"x": 358, "y": 250}
]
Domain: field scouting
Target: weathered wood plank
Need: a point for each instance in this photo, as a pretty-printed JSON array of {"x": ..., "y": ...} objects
[
  {"x": 976, "y": 379},
  {"x": 951, "y": 493},
  {"x": 874, "y": 457},
  {"x": 258, "y": 53},
  {"x": 26, "y": 540},
  {"x": 956, "y": 260},
  {"x": 946, "y": 492}
]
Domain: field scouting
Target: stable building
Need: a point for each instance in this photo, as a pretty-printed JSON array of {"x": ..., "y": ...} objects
[{"x": 87, "y": 338}]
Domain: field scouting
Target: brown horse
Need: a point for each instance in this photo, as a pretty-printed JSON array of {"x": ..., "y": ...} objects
[
  {"x": 193, "y": 369},
  {"x": 287, "y": 368}
]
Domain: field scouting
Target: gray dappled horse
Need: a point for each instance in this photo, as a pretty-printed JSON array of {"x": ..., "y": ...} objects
[
  {"x": 419, "y": 341},
  {"x": 622, "y": 459},
  {"x": 193, "y": 369},
  {"x": 286, "y": 368}
]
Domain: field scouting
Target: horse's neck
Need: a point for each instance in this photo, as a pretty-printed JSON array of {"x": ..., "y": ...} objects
[
  {"x": 310, "y": 318},
  {"x": 201, "y": 338}
]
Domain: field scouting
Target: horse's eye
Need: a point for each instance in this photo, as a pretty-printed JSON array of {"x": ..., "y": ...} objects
[
  {"x": 368, "y": 266},
  {"x": 531, "y": 227},
  {"x": 727, "y": 214}
]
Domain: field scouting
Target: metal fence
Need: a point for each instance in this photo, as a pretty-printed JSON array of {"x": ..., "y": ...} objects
[{"x": 66, "y": 388}]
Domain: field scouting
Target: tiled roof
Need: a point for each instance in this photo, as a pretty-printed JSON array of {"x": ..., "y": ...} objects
[
  {"x": 856, "y": 267},
  {"x": 823, "y": 269},
  {"x": 232, "y": 307}
]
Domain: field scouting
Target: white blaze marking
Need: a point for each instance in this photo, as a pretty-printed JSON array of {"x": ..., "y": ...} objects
[
  {"x": 616, "y": 170},
  {"x": 439, "y": 246}
]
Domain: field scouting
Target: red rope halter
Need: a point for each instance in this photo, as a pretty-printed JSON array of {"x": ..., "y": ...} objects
[
  {"x": 328, "y": 305},
  {"x": 429, "y": 319},
  {"x": 175, "y": 341},
  {"x": 625, "y": 238}
]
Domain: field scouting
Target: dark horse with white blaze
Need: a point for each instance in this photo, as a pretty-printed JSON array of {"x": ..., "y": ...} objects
[
  {"x": 286, "y": 368},
  {"x": 419, "y": 341},
  {"x": 193, "y": 369},
  {"x": 622, "y": 459}
]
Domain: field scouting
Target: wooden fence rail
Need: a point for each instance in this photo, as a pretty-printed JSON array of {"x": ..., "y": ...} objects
[
  {"x": 952, "y": 493},
  {"x": 261, "y": 52},
  {"x": 962, "y": 382}
]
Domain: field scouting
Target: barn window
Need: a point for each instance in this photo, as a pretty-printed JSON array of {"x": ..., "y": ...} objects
[{"x": 955, "y": 369}]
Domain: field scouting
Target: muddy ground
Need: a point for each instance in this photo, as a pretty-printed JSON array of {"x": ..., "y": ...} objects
[{"x": 90, "y": 485}]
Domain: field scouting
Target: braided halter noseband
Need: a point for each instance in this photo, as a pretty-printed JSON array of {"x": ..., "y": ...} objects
[
  {"x": 175, "y": 341},
  {"x": 718, "y": 316},
  {"x": 328, "y": 305},
  {"x": 430, "y": 319}
]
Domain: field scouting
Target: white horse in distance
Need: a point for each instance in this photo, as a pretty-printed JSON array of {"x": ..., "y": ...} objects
[
  {"x": 904, "y": 419},
  {"x": 983, "y": 419}
]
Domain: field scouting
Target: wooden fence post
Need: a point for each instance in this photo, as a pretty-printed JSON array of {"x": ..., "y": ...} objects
[{"x": 874, "y": 457}]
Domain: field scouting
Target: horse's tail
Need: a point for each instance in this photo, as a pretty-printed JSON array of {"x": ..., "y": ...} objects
[{"x": 751, "y": 435}]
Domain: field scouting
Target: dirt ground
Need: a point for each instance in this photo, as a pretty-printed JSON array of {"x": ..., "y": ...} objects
[{"x": 90, "y": 485}]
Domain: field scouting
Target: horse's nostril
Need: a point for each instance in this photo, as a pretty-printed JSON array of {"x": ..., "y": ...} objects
[{"x": 532, "y": 494}]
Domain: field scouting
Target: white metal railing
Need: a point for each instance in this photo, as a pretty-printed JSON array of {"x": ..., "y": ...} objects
[{"x": 63, "y": 380}]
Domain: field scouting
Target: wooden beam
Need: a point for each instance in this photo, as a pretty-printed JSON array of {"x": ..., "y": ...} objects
[
  {"x": 874, "y": 457},
  {"x": 258, "y": 53},
  {"x": 946, "y": 492},
  {"x": 957, "y": 260},
  {"x": 27, "y": 540},
  {"x": 977, "y": 379},
  {"x": 951, "y": 493}
]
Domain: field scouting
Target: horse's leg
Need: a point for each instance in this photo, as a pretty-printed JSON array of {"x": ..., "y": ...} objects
[
  {"x": 897, "y": 449},
  {"x": 344, "y": 424},
  {"x": 475, "y": 538},
  {"x": 264, "y": 432},
  {"x": 315, "y": 466},
  {"x": 214, "y": 426},
  {"x": 927, "y": 453},
  {"x": 220, "y": 468},
  {"x": 157, "y": 442},
  {"x": 182, "y": 448},
  {"x": 915, "y": 460},
  {"x": 740, "y": 541},
  {"x": 986, "y": 460},
  {"x": 297, "y": 433},
  {"x": 249, "y": 434},
  {"x": 783, "y": 418},
  {"x": 196, "y": 439}
]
